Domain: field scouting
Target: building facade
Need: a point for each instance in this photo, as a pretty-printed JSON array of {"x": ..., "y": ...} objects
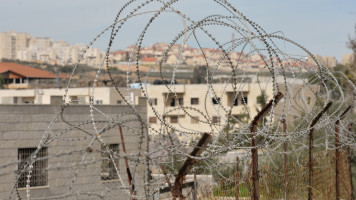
[
  {"x": 207, "y": 108},
  {"x": 54, "y": 96},
  {"x": 12, "y": 44},
  {"x": 16, "y": 76},
  {"x": 21, "y": 46}
]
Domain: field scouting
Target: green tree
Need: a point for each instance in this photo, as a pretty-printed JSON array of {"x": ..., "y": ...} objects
[
  {"x": 1, "y": 82},
  {"x": 261, "y": 100}
]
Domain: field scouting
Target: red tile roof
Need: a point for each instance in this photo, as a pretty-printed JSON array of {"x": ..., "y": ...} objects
[
  {"x": 26, "y": 71},
  {"x": 119, "y": 52},
  {"x": 149, "y": 59}
]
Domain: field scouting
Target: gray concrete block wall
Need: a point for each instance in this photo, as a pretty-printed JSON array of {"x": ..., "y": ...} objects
[{"x": 23, "y": 126}]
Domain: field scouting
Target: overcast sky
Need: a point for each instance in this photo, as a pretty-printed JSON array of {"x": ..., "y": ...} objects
[{"x": 322, "y": 26}]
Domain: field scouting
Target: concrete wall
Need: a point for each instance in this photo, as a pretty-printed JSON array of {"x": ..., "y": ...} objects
[{"x": 71, "y": 175}]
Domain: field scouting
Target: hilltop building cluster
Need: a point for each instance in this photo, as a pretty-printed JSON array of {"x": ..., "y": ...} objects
[
  {"x": 21, "y": 46},
  {"x": 24, "y": 47},
  {"x": 189, "y": 56}
]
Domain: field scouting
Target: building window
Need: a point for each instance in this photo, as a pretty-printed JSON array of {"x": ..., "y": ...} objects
[
  {"x": 215, "y": 100},
  {"x": 194, "y": 101},
  {"x": 216, "y": 119},
  {"x": 108, "y": 171},
  {"x": 154, "y": 101},
  {"x": 152, "y": 120},
  {"x": 173, "y": 102},
  {"x": 28, "y": 100},
  {"x": 194, "y": 120},
  {"x": 180, "y": 101},
  {"x": 235, "y": 102},
  {"x": 56, "y": 100},
  {"x": 119, "y": 102},
  {"x": 74, "y": 99},
  {"x": 39, "y": 175},
  {"x": 99, "y": 101},
  {"x": 244, "y": 100},
  {"x": 174, "y": 119}
]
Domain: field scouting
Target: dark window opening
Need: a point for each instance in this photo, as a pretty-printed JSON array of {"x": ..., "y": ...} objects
[
  {"x": 173, "y": 102},
  {"x": 174, "y": 119},
  {"x": 244, "y": 100},
  {"x": 194, "y": 101},
  {"x": 152, "y": 120},
  {"x": 215, "y": 100},
  {"x": 39, "y": 174},
  {"x": 235, "y": 102},
  {"x": 180, "y": 101},
  {"x": 108, "y": 171},
  {"x": 216, "y": 119}
]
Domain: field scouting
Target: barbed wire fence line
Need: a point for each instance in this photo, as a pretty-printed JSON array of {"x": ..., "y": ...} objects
[{"x": 312, "y": 138}]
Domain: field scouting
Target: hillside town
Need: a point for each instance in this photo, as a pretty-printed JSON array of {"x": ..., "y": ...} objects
[{"x": 44, "y": 50}]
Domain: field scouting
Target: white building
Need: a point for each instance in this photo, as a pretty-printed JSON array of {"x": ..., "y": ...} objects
[
  {"x": 12, "y": 44},
  {"x": 54, "y": 96},
  {"x": 207, "y": 108},
  {"x": 23, "y": 47}
]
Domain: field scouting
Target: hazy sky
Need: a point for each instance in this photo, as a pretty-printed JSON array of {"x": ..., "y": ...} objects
[{"x": 322, "y": 26}]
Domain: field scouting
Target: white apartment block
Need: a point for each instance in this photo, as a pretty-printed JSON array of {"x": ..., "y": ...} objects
[
  {"x": 194, "y": 107},
  {"x": 54, "y": 96},
  {"x": 329, "y": 61},
  {"x": 13, "y": 44},
  {"x": 22, "y": 46},
  {"x": 347, "y": 59}
]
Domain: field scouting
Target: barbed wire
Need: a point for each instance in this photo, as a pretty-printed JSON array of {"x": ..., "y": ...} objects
[{"x": 169, "y": 144}]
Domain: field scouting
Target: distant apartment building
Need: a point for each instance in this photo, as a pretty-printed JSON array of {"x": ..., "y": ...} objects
[
  {"x": 13, "y": 44},
  {"x": 347, "y": 59},
  {"x": 329, "y": 61},
  {"x": 21, "y": 46},
  {"x": 204, "y": 108},
  {"x": 54, "y": 96},
  {"x": 118, "y": 56}
]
